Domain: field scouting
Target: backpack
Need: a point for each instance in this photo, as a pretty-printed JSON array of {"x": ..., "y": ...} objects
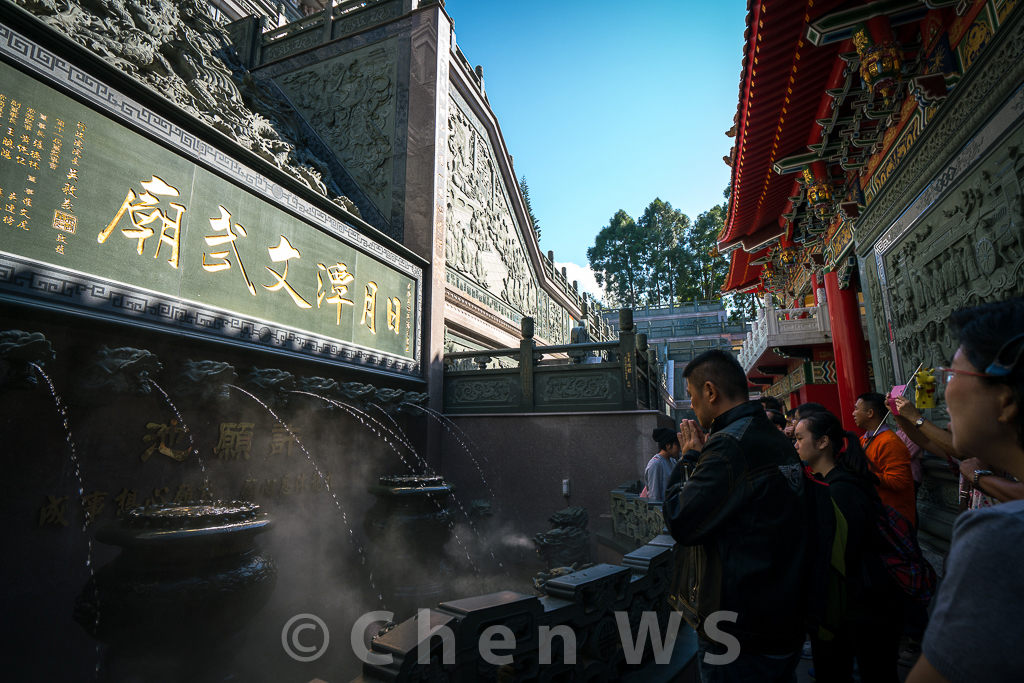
[
  {"x": 826, "y": 559},
  {"x": 902, "y": 556}
]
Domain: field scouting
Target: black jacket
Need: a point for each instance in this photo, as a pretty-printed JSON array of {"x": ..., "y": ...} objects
[
  {"x": 867, "y": 579},
  {"x": 743, "y": 517}
]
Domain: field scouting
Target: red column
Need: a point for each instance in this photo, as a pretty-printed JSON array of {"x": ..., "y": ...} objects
[{"x": 848, "y": 344}]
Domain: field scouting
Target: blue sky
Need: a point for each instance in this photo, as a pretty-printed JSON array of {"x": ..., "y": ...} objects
[{"x": 607, "y": 105}]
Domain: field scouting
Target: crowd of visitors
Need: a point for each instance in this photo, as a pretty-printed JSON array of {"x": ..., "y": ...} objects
[{"x": 744, "y": 503}]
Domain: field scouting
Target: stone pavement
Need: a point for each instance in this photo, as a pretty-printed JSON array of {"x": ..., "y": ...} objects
[{"x": 805, "y": 664}]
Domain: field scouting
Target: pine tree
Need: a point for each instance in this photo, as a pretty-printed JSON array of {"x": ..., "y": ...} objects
[{"x": 525, "y": 189}]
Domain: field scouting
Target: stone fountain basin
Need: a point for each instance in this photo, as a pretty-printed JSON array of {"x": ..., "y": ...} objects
[
  {"x": 410, "y": 486},
  {"x": 187, "y": 576},
  {"x": 157, "y": 526}
]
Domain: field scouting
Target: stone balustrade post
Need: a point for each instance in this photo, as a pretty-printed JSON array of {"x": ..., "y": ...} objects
[
  {"x": 627, "y": 356},
  {"x": 526, "y": 364}
]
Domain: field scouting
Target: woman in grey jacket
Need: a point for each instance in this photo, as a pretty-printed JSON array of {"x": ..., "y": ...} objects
[{"x": 661, "y": 465}]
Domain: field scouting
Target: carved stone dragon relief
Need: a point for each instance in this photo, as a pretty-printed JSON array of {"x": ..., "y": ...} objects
[
  {"x": 179, "y": 51},
  {"x": 350, "y": 101},
  {"x": 967, "y": 251},
  {"x": 482, "y": 237}
]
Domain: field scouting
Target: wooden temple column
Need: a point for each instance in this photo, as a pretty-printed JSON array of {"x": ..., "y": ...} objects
[{"x": 849, "y": 346}]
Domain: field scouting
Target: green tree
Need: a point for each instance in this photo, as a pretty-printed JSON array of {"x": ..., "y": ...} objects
[
  {"x": 525, "y": 189},
  {"x": 664, "y": 230},
  {"x": 618, "y": 260},
  {"x": 704, "y": 269},
  {"x": 741, "y": 306}
]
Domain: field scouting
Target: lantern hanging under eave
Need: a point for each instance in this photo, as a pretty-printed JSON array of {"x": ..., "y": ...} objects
[
  {"x": 881, "y": 67},
  {"x": 819, "y": 196},
  {"x": 881, "y": 62},
  {"x": 819, "y": 193}
]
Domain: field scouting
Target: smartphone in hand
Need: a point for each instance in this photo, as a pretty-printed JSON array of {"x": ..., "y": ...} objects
[{"x": 898, "y": 390}]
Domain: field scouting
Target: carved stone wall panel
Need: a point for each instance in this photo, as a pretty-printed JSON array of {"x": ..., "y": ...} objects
[
  {"x": 592, "y": 389},
  {"x": 290, "y": 46},
  {"x": 967, "y": 250},
  {"x": 484, "y": 245},
  {"x": 481, "y": 392},
  {"x": 350, "y": 102},
  {"x": 576, "y": 387},
  {"x": 179, "y": 52},
  {"x": 878, "y": 332}
]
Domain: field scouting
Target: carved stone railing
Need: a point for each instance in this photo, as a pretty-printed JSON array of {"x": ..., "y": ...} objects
[
  {"x": 668, "y": 322},
  {"x": 586, "y": 601},
  {"x": 600, "y": 376},
  {"x": 685, "y": 351},
  {"x": 667, "y": 329},
  {"x": 635, "y": 518},
  {"x": 785, "y": 327},
  {"x": 324, "y": 26}
]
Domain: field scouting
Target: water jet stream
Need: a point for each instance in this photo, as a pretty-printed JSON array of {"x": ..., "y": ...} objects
[
  {"x": 441, "y": 419},
  {"x": 81, "y": 493},
  {"x": 344, "y": 517},
  {"x": 191, "y": 443},
  {"x": 352, "y": 410}
]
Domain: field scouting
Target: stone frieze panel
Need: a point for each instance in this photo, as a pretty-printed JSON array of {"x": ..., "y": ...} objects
[
  {"x": 350, "y": 102},
  {"x": 484, "y": 244},
  {"x": 968, "y": 250}
]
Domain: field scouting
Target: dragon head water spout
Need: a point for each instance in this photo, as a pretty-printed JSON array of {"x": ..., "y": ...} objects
[
  {"x": 412, "y": 403},
  {"x": 356, "y": 394},
  {"x": 204, "y": 381},
  {"x": 326, "y": 389},
  {"x": 270, "y": 386},
  {"x": 123, "y": 371},
  {"x": 18, "y": 351},
  {"x": 388, "y": 399}
]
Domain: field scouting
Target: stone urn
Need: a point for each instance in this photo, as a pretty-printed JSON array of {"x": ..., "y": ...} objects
[
  {"x": 408, "y": 527},
  {"x": 188, "y": 579}
]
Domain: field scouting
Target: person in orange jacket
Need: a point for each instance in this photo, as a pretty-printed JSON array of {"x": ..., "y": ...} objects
[{"x": 887, "y": 454}]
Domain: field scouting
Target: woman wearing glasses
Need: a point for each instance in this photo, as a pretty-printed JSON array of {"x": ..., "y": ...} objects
[
  {"x": 976, "y": 630},
  {"x": 979, "y": 482}
]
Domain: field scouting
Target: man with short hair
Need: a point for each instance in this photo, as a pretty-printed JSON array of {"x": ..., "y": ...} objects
[
  {"x": 778, "y": 419},
  {"x": 742, "y": 517},
  {"x": 888, "y": 455},
  {"x": 803, "y": 410},
  {"x": 807, "y": 409}
]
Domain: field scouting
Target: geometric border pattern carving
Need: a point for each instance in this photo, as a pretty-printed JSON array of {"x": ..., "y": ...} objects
[{"x": 23, "y": 279}]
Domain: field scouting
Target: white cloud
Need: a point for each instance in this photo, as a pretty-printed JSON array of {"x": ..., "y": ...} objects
[{"x": 584, "y": 276}]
